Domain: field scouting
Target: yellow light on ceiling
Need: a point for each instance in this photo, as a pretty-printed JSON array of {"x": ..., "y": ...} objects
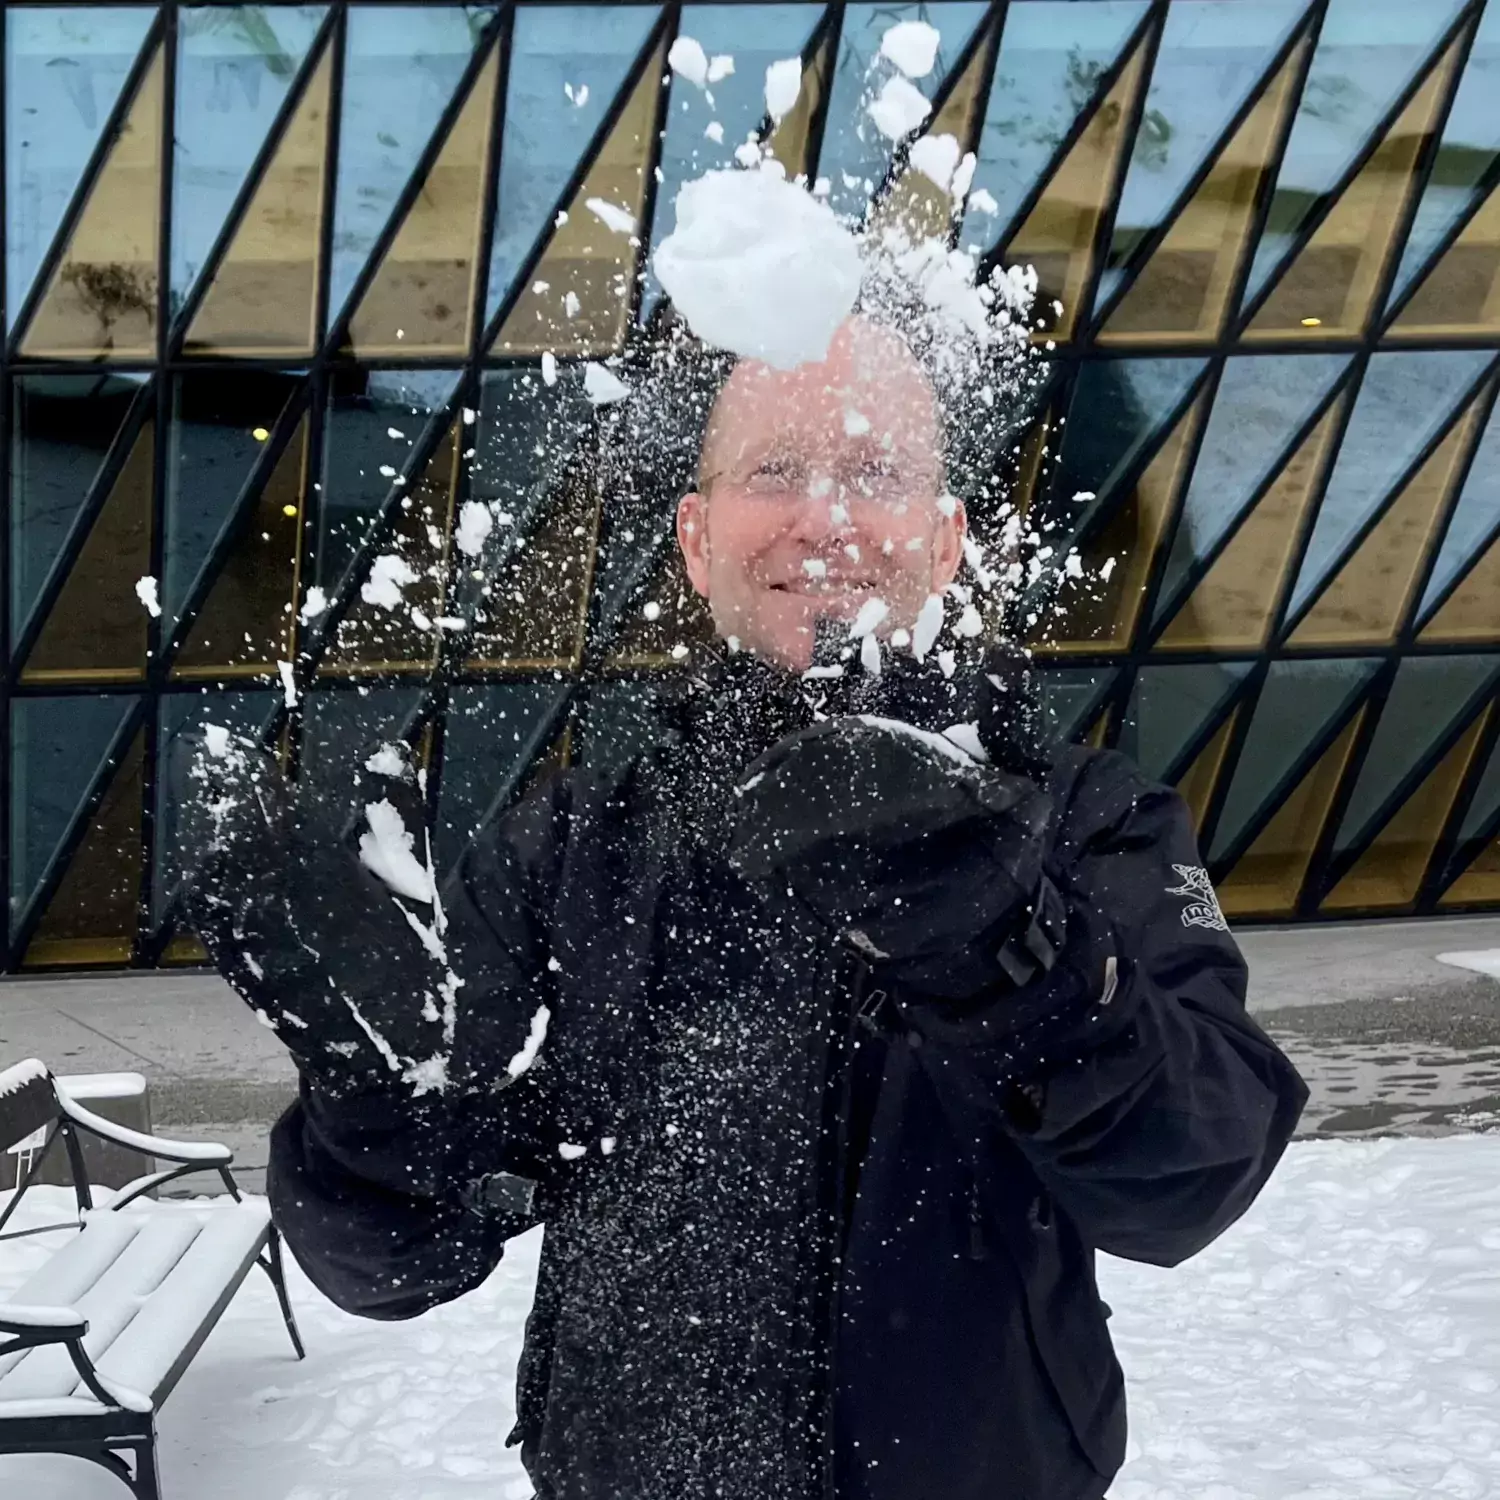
[
  {"x": 1312, "y": 322},
  {"x": 260, "y": 434},
  {"x": 289, "y": 510}
]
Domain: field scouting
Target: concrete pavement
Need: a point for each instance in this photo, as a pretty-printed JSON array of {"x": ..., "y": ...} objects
[{"x": 1389, "y": 1039}]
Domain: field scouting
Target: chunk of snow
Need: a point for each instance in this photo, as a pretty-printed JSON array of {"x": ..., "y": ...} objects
[
  {"x": 715, "y": 132},
  {"x": 936, "y": 156},
  {"x": 611, "y": 215},
  {"x": 386, "y": 850},
  {"x": 856, "y": 423},
  {"x": 948, "y": 663},
  {"x": 535, "y": 1036},
  {"x": 969, "y": 622},
  {"x": 963, "y": 175},
  {"x": 869, "y": 655},
  {"x": 1107, "y": 568},
  {"x": 549, "y": 368},
  {"x": 679, "y": 652},
  {"x": 783, "y": 85},
  {"x": 688, "y": 60},
  {"x": 651, "y": 610},
  {"x": 389, "y": 574},
  {"x": 16, "y": 1077},
  {"x": 216, "y": 740},
  {"x": 870, "y": 615},
  {"x": 981, "y": 200},
  {"x": 928, "y": 626},
  {"x": 387, "y": 761},
  {"x": 469, "y": 415},
  {"x": 720, "y": 66},
  {"x": 912, "y": 46},
  {"x": 974, "y": 556},
  {"x": 288, "y": 683},
  {"x": 474, "y": 526},
  {"x": 899, "y": 108},
  {"x": 145, "y": 591},
  {"x": 814, "y": 567},
  {"x": 966, "y": 737},
  {"x": 940, "y": 743},
  {"x": 606, "y": 1145},
  {"x": 602, "y": 386},
  {"x": 759, "y": 267},
  {"x": 569, "y": 1152},
  {"x": 314, "y": 604}
]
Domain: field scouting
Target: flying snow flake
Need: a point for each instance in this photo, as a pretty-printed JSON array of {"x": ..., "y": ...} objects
[
  {"x": 928, "y": 626},
  {"x": 475, "y": 522},
  {"x": 469, "y": 415},
  {"x": 389, "y": 574},
  {"x": 814, "y": 567},
  {"x": 385, "y": 849},
  {"x": 145, "y": 591},
  {"x": 216, "y": 740},
  {"x": 394, "y": 432},
  {"x": 759, "y": 267},
  {"x": 611, "y": 215},
  {"x": 679, "y": 652},
  {"x": 387, "y": 471},
  {"x": 602, "y": 386},
  {"x": 688, "y": 60},
  {"x": 898, "y": 109},
  {"x": 720, "y": 66},
  {"x": 981, "y": 200},
  {"x": 651, "y": 610},
  {"x": 869, "y": 655},
  {"x": 783, "y": 85},
  {"x": 970, "y": 623},
  {"x": 314, "y": 604},
  {"x": 535, "y": 1036},
  {"x": 571, "y": 304},
  {"x": 715, "y": 132},
  {"x": 387, "y": 761},
  {"x": 606, "y": 1145},
  {"x": 912, "y": 46},
  {"x": 549, "y": 368},
  {"x": 936, "y": 156},
  {"x": 1107, "y": 568},
  {"x": 870, "y": 615},
  {"x": 578, "y": 95},
  {"x": 288, "y": 683}
]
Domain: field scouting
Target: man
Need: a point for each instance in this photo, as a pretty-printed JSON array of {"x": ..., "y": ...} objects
[{"x": 829, "y": 1048}]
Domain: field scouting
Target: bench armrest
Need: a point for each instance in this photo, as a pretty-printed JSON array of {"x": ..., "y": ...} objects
[
  {"x": 58, "y": 1322},
  {"x": 198, "y": 1153}
]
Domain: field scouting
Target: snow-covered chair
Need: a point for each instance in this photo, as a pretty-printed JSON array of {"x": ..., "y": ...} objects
[{"x": 96, "y": 1340}]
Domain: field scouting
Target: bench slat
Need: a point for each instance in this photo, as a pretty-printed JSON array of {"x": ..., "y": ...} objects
[
  {"x": 76, "y": 1267},
  {"x": 152, "y": 1352},
  {"x": 109, "y": 1305}
]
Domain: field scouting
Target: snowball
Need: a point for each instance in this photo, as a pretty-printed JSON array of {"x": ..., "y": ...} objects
[
  {"x": 720, "y": 66},
  {"x": 387, "y": 761},
  {"x": 783, "y": 84},
  {"x": 912, "y": 46},
  {"x": 474, "y": 525},
  {"x": 898, "y": 109},
  {"x": 652, "y": 610},
  {"x": 145, "y": 591},
  {"x": 216, "y": 740},
  {"x": 759, "y": 267},
  {"x": 313, "y": 605},
  {"x": 535, "y": 1036},
  {"x": 611, "y": 215},
  {"x": 549, "y": 368},
  {"x": 386, "y": 850},
  {"x": 871, "y": 613},
  {"x": 928, "y": 624},
  {"x": 389, "y": 574},
  {"x": 936, "y": 156},
  {"x": 688, "y": 60},
  {"x": 602, "y": 386}
]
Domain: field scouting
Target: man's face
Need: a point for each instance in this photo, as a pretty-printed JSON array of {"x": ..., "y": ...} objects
[{"x": 820, "y": 488}]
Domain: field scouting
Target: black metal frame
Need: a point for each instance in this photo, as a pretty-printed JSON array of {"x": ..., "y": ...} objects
[
  {"x": 318, "y": 373},
  {"x": 101, "y": 1438}
]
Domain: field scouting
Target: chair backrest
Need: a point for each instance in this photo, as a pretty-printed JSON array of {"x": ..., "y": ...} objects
[{"x": 28, "y": 1102}]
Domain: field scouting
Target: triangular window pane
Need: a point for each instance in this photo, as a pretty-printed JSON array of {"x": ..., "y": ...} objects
[
  {"x": 414, "y": 54},
  {"x": 1211, "y": 57},
  {"x": 64, "y": 69},
  {"x": 1429, "y": 695},
  {"x": 1403, "y": 401},
  {"x": 1261, "y": 403},
  {"x": 855, "y": 155},
  {"x": 1474, "y": 518},
  {"x": 342, "y": 727},
  {"x": 1299, "y": 700},
  {"x": 1368, "y": 52},
  {"x": 567, "y": 64},
  {"x": 1168, "y": 708},
  {"x": 1071, "y": 696},
  {"x": 235, "y": 67},
  {"x": 1053, "y": 57},
  {"x": 1486, "y": 800}
]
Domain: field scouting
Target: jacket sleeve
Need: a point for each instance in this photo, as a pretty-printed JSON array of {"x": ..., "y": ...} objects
[
  {"x": 1149, "y": 1104},
  {"x": 375, "y": 1187}
]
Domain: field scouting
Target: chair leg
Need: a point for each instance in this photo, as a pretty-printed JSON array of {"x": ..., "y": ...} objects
[
  {"x": 273, "y": 1268},
  {"x": 147, "y": 1484}
]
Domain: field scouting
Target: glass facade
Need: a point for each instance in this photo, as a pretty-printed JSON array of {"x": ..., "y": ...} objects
[{"x": 278, "y": 280}]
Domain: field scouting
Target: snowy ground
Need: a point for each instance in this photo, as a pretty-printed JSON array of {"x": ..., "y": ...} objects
[{"x": 1341, "y": 1343}]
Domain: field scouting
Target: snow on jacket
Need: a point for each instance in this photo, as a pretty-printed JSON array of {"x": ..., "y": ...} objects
[{"x": 805, "y": 1236}]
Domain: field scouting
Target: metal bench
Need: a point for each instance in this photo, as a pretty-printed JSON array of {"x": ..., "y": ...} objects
[{"x": 96, "y": 1340}]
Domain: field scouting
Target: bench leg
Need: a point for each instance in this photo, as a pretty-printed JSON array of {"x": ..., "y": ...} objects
[
  {"x": 273, "y": 1268},
  {"x": 147, "y": 1483}
]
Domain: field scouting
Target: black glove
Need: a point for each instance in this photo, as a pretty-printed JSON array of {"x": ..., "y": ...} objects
[{"x": 926, "y": 860}]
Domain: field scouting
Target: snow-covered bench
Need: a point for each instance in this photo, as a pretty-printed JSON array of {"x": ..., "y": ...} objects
[{"x": 96, "y": 1340}]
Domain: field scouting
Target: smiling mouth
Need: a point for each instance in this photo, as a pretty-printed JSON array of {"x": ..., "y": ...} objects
[{"x": 822, "y": 588}]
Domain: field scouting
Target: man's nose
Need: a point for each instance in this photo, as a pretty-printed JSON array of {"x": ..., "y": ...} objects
[{"x": 823, "y": 511}]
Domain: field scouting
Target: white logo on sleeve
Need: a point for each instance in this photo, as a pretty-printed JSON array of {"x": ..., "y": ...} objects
[{"x": 1202, "y": 909}]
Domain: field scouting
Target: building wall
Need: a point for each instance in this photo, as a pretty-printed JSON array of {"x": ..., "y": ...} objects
[{"x": 278, "y": 281}]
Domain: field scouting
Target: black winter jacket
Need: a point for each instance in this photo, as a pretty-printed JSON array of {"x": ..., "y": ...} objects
[{"x": 842, "y": 1242}]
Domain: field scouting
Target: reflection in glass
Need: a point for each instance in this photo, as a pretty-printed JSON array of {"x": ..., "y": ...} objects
[
  {"x": 101, "y": 299},
  {"x": 1169, "y": 708},
  {"x": 62, "y": 428},
  {"x": 64, "y": 69},
  {"x": 235, "y": 64},
  {"x": 1485, "y": 802},
  {"x": 57, "y": 748},
  {"x": 567, "y": 64},
  {"x": 1071, "y": 697},
  {"x": 1210, "y": 59},
  {"x": 1475, "y": 517},
  {"x": 1403, "y": 401},
  {"x": 1461, "y": 293},
  {"x": 414, "y": 54},
  {"x": 1368, "y": 52},
  {"x": 1053, "y": 57},
  {"x": 1471, "y": 613}
]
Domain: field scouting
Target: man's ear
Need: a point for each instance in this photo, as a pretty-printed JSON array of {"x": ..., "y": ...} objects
[
  {"x": 692, "y": 537},
  {"x": 948, "y": 545}
]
